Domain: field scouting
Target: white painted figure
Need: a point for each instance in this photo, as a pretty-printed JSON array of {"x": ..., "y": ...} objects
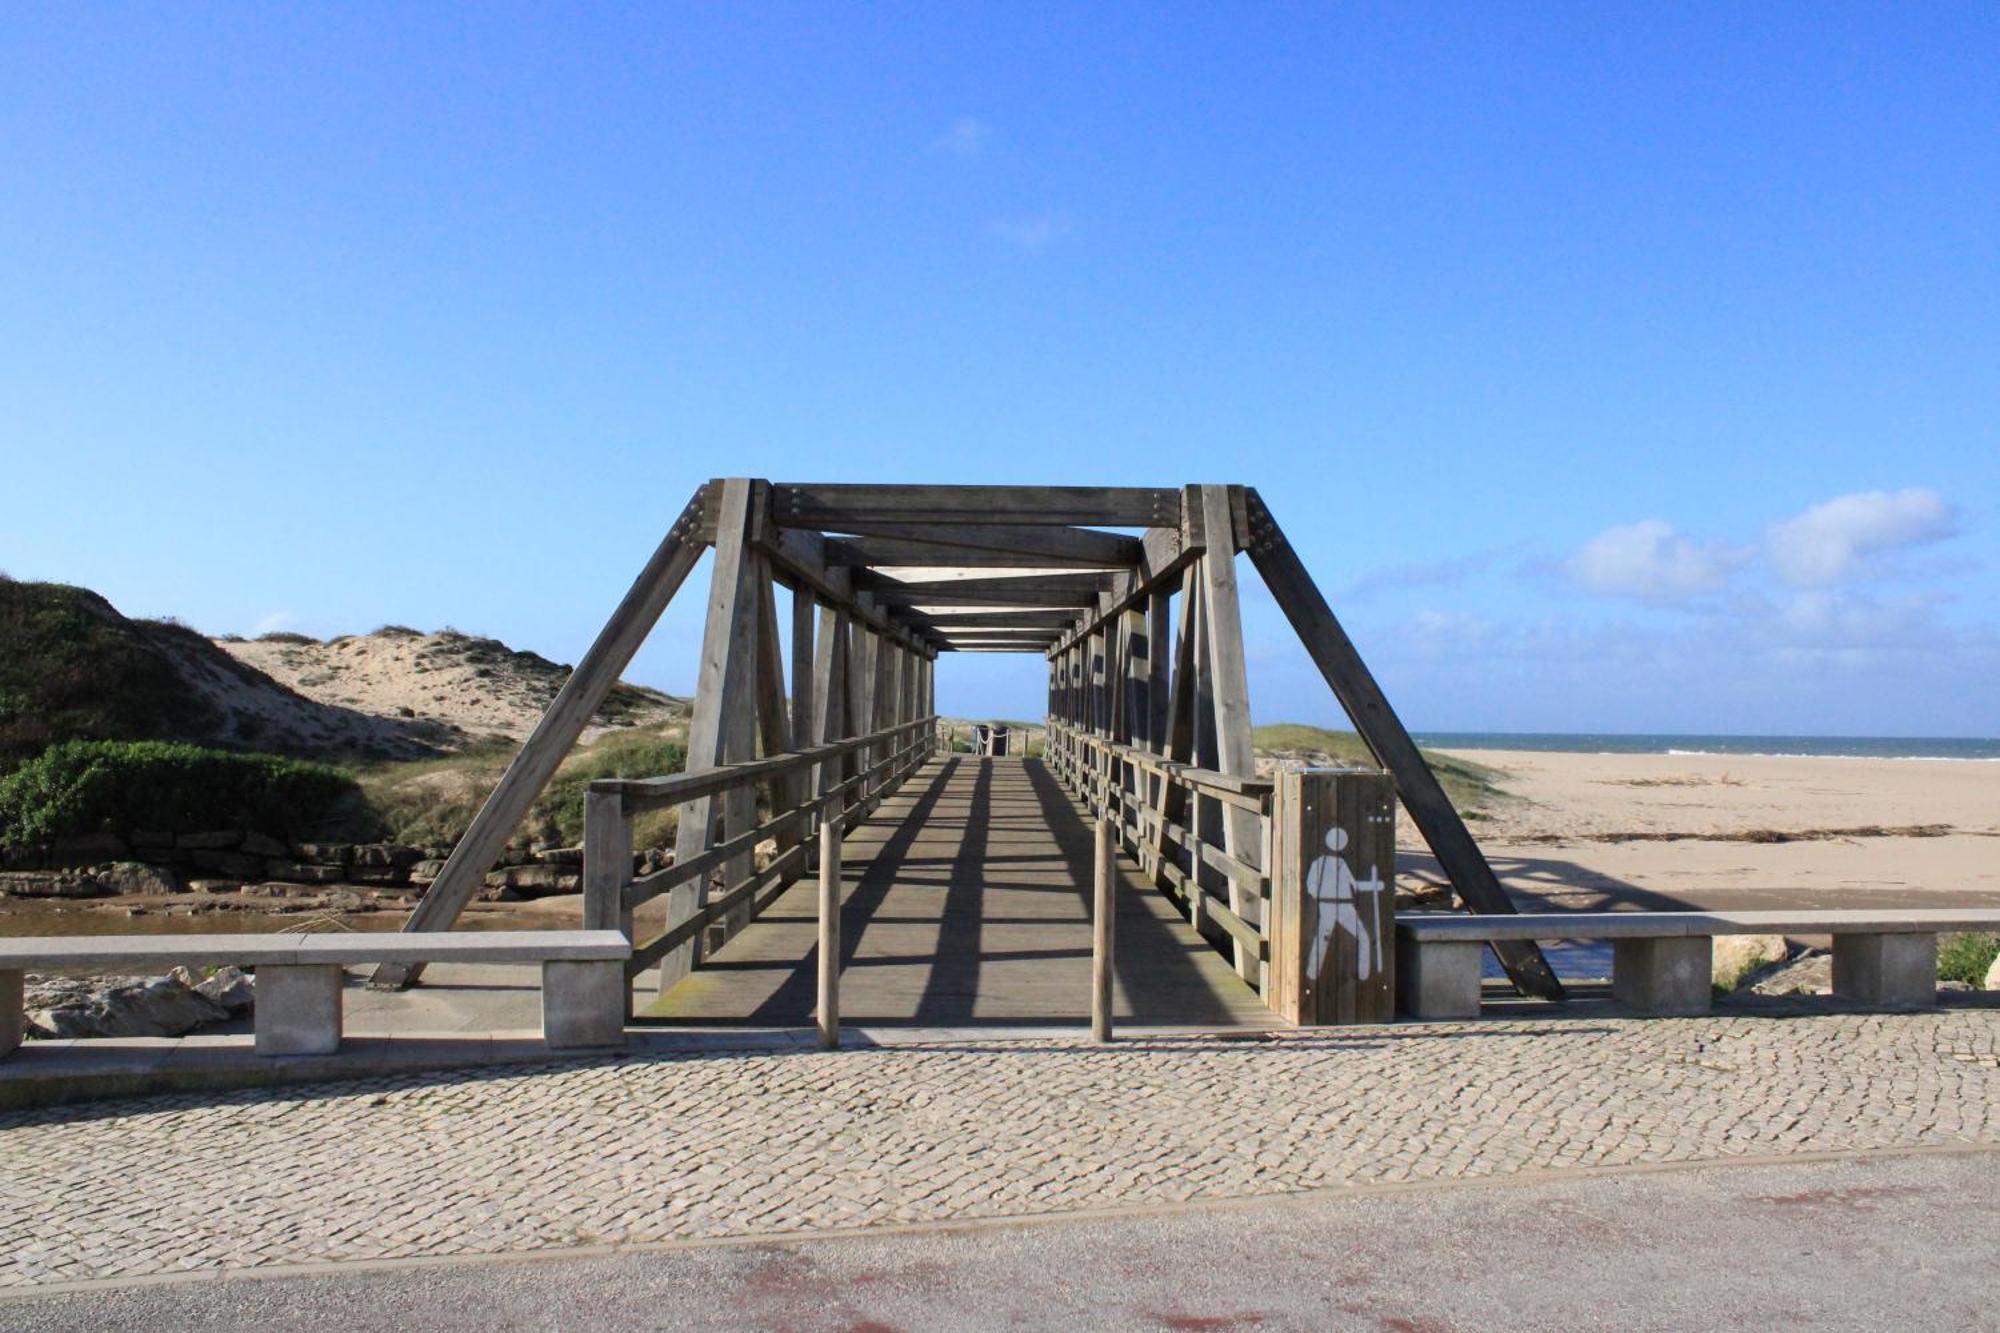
[{"x": 1338, "y": 892}]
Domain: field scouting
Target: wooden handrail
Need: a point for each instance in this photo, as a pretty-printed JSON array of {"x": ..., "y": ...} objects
[{"x": 641, "y": 794}]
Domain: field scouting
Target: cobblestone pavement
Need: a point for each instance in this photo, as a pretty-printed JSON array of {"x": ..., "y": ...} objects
[{"x": 718, "y": 1145}]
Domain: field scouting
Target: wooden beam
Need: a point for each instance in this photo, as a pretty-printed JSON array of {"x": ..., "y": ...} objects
[
  {"x": 947, "y": 622},
  {"x": 1087, "y": 545},
  {"x": 893, "y": 552},
  {"x": 1368, "y": 708},
  {"x": 827, "y": 506},
  {"x": 1236, "y": 753},
  {"x": 719, "y": 730},
  {"x": 944, "y": 594},
  {"x": 553, "y": 737}
]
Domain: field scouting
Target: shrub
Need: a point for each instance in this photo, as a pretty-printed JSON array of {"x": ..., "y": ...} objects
[
  {"x": 80, "y": 787},
  {"x": 1967, "y": 957},
  {"x": 285, "y": 636},
  {"x": 559, "y": 814}
]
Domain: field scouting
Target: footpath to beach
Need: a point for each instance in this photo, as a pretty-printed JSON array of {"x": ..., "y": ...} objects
[{"x": 582, "y": 1156}]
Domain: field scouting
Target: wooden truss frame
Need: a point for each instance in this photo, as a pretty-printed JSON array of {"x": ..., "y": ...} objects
[{"x": 886, "y": 577}]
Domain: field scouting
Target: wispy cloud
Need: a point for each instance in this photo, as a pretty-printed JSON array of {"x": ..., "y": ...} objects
[
  {"x": 1032, "y": 234},
  {"x": 1649, "y": 561},
  {"x": 275, "y": 621},
  {"x": 1840, "y": 540},
  {"x": 1435, "y": 574},
  {"x": 966, "y": 138}
]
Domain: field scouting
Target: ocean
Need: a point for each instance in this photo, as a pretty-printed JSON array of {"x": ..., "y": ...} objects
[{"x": 1850, "y": 747}]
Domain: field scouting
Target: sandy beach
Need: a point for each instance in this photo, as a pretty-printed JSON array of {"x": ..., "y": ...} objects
[{"x": 1735, "y": 831}]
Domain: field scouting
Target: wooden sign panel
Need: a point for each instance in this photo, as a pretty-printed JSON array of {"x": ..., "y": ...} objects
[{"x": 1333, "y": 896}]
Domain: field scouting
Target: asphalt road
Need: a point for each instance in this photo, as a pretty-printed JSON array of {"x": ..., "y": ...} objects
[{"x": 1909, "y": 1242}]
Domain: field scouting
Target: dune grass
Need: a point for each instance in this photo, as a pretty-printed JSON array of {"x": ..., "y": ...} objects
[{"x": 1472, "y": 787}]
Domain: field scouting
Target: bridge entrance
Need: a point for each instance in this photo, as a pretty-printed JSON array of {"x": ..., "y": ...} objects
[{"x": 965, "y": 884}]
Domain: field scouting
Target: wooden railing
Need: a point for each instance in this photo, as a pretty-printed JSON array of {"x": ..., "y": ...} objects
[
  {"x": 843, "y": 780},
  {"x": 1154, "y": 805}
]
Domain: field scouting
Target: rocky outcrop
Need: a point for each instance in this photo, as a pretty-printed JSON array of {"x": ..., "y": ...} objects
[
  {"x": 169, "y": 1006},
  {"x": 1737, "y": 959}
]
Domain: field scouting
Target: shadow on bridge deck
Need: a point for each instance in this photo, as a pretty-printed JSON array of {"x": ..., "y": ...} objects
[{"x": 966, "y": 901}]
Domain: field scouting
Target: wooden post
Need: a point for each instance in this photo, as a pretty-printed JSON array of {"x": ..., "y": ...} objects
[
  {"x": 1229, "y": 688},
  {"x": 607, "y": 868},
  {"x": 829, "y": 930},
  {"x": 722, "y": 725},
  {"x": 1104, "y": 930},
  {"x": 543, "y": 751},
  {"x": 1368, "y": 708},
  {"x": 1333, "y": 897}
]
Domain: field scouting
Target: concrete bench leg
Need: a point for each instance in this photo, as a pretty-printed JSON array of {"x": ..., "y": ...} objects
[
  {"x": 298, "y": 1009},
  {"x": 13, "y": 1019},
  {"x": 583, "y": 1003},
  {"x": 1898, "y": 971},
  {"x": 1669, "y": 975},
  {"x": 1438, "y": 978}
]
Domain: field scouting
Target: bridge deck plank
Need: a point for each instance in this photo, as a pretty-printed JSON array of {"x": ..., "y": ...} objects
[{"x": 966, "y": 900}]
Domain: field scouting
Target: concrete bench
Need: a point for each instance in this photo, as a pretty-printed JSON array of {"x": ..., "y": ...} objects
[
  {"x": 1661, "y": 961},
  {"x": 299, "y": 980}
]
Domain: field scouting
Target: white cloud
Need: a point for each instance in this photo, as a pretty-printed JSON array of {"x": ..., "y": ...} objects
[
  {"x": 1833, "y": 541},
  {"x": 1651, "y": 562},
  {"x": 1033, "y": 234},
  {"x": 966, "y": 138},
  {"x": 274, "y": 622}
]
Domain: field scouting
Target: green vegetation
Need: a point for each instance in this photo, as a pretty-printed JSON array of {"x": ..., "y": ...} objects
[
  {"x": 1470, "y": 786},
  {"x": 80, "y": 787},
  {"x": 285, "y": 636},
  {"x": 73, "y": 668},
  {"x": 559, "y": 813},
  {"x": 431, "y": 801},
  {"x": 1966, "y": 958}
]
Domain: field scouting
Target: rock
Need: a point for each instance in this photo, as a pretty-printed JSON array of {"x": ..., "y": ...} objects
[
  {"x": 537, "y": 881},
  {"x": 151, "y": 838},
  {"x": 387, "y": 855},
  {"x": 1810, "y": 973},
  {"x": 324, "y": 853},
  {"x": 559, "y": 856},
  {"x": 1993, "y": 975},
  {"x": 50, "y": 884},
  {"x": 87, "y": 848},
  {"x": 229, "y": 986},
  {"x": 214, "y": 885},
  {"x": 220, "y": 840},
  {"x": 1737, "y": 958},
  {"x": 137, "y": 877},
  {"x": 305, "y": 874},
  {"x": 424, "y": 872},
  {"x": 63, "y": 1007},
  {"x": 259, "y": 844},
  {"x": 236, "y": 864}
]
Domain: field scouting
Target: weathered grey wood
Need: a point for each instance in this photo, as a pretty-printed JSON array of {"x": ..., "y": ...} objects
[
  {"x": 898, "y": 552},
  {"x": 607, "y": 865},
  {"x": 1352, "y": 683},
  {"x": 724, "y": 703},
  {"x": 798, "y": 554},
  {"x": 830, "y": 507},
  {"x": 828, "y": 1014},
  {"x": 951, "y": 622},
  {"x": 1104, "y": 922},
  {"x": 554, "y": 735},
  {"x": 1236, "y": 752},
  {"x": 1090, "y": 548},
  {"x": 830, "y": 712}
]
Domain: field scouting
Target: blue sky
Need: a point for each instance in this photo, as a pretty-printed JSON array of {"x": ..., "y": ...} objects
[{"x": 1613, "y": 368}]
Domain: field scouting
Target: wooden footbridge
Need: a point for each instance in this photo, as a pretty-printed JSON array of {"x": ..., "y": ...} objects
[{"x": 955, "y": 888}]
